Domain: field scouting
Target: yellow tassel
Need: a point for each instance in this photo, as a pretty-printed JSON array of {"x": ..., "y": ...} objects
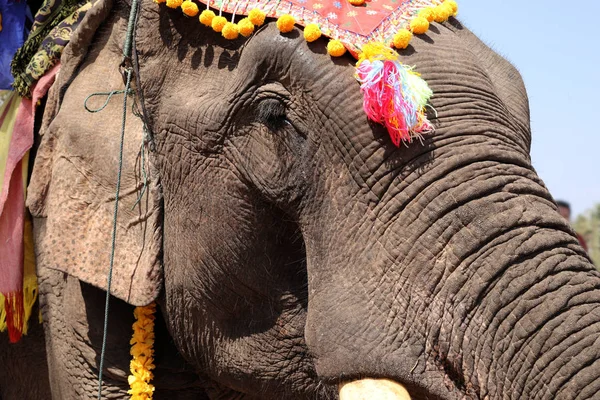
[
  {"x": 402, "y": 38},
  {"x": 335, "y": 48},
  {"x": 285, "y": 23},
  {"x": 2, "y": 314},
  {"x": 230, "y": 31},
  {"x": 257, "y": 17},
  {"x": 206, "y": 17},
  {"x": 357, "y": 2},
  {"x": 246, "y": 27},
  {"x": 142, "y": 352},
  {"x": 312, "y": 32},
  {"x": 30, "y": 285},
  {"x": 218, "y": 23},
  {"x": 419, "y": 25},
  {"x": 189, "y": 8},
  {"x": 174, "y": 3}
]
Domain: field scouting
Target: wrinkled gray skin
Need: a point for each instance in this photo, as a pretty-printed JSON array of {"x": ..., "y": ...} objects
[{"x": 300, "y": 248}]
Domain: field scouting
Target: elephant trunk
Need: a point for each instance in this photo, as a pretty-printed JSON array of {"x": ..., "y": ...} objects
[{"x": 476, "y": 288}]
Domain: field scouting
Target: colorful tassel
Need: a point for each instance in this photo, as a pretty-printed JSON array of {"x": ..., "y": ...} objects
[
  {"x": 12, "y": 315},
  {"x": 394, "y": 95}
]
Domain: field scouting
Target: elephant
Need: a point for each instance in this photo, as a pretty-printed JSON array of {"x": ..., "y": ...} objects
[
  {"x": 23, "y": 366},
  {"x": 290, "y": 246}
]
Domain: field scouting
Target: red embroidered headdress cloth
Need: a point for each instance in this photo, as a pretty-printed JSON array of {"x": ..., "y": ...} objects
[{"x": 394, "y": 95}]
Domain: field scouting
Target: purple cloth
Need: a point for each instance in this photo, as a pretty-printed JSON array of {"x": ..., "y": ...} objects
[{"x": 12, "y": 36}]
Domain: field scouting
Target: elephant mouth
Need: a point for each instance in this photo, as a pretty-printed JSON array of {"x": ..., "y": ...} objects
[{"x": 370, "y": 389}]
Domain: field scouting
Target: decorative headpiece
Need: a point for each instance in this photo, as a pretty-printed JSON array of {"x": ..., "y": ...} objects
[{"x": 394, "y": 95}]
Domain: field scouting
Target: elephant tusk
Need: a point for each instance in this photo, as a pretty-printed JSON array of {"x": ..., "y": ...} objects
[{"x": 373, "y": 389}]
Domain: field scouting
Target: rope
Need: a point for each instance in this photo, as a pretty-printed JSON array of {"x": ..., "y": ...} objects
[
  {"x": 114, "y": 236},
  {"x": 127, "y": 91},
  {"x": 130, "y": 30},
  {"x": 103, "y": 106}
]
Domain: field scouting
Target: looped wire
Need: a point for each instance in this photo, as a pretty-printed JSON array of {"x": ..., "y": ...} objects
[{"x": 103, "y": 106}]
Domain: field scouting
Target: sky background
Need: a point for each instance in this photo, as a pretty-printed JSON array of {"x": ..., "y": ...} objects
[{"x": 556, "y": 47}]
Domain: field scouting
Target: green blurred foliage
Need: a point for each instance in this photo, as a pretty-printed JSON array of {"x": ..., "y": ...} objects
[{"x": 588, "y": 226}]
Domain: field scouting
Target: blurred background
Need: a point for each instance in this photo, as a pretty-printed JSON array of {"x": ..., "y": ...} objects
[{"x": 556, "y": 48}]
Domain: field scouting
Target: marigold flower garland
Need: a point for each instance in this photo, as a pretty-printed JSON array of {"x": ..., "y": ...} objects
[{"x": 142, "y": 352}]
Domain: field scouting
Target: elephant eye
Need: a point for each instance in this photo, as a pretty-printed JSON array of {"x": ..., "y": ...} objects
[{"x": 272, "y": 113}]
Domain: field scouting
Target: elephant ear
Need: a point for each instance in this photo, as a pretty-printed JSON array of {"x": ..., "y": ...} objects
[{"x": 72, "y": 191}]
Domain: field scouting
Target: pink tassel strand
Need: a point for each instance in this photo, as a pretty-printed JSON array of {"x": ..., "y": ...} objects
[{"x": 394, "y": 96}]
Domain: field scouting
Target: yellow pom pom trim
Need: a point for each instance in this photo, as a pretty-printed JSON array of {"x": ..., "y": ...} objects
[
  {"x": 357, "y": 2},
  {"x": 189, "y": 8},
  {"x": 427, "y": 13},
  {"x": 453, "y": 5},
  {"x": 402, "y": 38},
  {"x": 285, "y": 23},
  {"x": 374, "y": 51},
  {"x": 160, "y": 1},
  {"x": 335, "y": 48},
  {"x": 230, "y": 31},
  {"x": 174, "y": 3},
  {"x": 246, "y": 27},
  {"x": 142, "y": 352},
  {"x": 312, "y": 32},
  {"x": 206, "y": 17},
  {"x": 419, "y": 25},
  {"x": 218, "y": 23},
  {"x": 442, "y": 13},
  {"x": 257, "y": 17}
]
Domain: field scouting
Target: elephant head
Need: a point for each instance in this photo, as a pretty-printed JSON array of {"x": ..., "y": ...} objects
[{"x": 291, "y": 246}]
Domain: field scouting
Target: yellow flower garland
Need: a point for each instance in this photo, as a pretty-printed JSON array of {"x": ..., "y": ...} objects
[{"x": 142, "y": 353}]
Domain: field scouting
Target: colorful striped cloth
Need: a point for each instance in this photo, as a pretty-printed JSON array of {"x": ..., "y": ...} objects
[{"x": 18, "y": 284}]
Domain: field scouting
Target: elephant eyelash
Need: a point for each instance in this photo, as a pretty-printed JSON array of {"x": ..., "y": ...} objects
[{"x": 272, "y": 113}]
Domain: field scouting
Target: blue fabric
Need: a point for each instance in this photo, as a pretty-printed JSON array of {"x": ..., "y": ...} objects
[{"x": 12, "y": 36}]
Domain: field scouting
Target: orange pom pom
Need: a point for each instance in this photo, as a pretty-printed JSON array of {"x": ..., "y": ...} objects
[
  {"x": 357, "y": 2},
  {"x": 402, "y": 38},
  {"x": 230, "y": 31},
  {"x": 206, "y": 17},
  {"x": 442, "y": 12},
  {"x": 189, "y": 8},
  {"x": 257, "y": 17},
  {"x": 285, "y": 23},
  {"x": 453, "y": 5},
  {"x": 246, "y": 27},
  {"x": 427, "y": 13},
  {"x": 312, "y": 32},
  {"x": 419, "y": 25},
  {"x": 218, "y": 23},
  {"x": 160, "y": 1},
  {"x": 174, "y": 3},
  {"x": 335, "y": 48}
]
